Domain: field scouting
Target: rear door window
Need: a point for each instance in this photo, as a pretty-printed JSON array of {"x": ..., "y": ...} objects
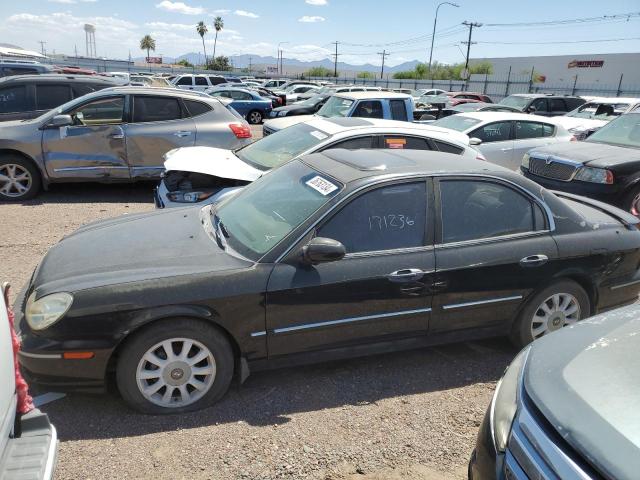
[
  {"x": 387, "y": 218},
  {"x": 447, "y": 147},
  {"x": 155, "y": 109},
  {"x": 201, "y": 82},
  {"x": 196, "y": 108},
  {"x": 398, "y": 110},
  {"x": 557, "y": 105},
  {"x": 493, "y": 132},
  {"x": 49, "y": 96},
  {"x": 216, "y": 80},
  {"x": 403, "y": 142},
  {"x": 238, "y": 95},
  {"x": 13, "y": 99}
]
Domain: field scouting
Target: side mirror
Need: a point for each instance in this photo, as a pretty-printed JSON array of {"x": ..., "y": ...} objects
[
  {"x": 61, "y": 121},
  {"x": 322, "y": 250},
  {"x": 531, "y": 109},
  {"x": 474, "y": 141}
]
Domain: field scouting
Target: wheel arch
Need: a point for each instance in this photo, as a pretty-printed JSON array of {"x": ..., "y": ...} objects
[
  {"x": 13, "y": 151},
  {"x": 148, "y": 318}
]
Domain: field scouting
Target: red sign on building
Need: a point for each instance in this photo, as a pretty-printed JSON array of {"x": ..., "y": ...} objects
[
  {"x": 586, "y": 64},
  {"x": 154, "y": 59}
]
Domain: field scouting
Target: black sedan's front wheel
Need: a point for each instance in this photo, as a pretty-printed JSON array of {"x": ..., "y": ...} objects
[
  {"x": 254, "y": 117},
  {"x": 559, "y": 305},
  {"x": 175, "y": 366}
]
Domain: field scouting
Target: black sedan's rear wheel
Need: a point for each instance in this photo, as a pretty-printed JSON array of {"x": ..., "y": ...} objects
[
  {"x": 560, "y": 304},
  {"x": 175, "y": 366},
  {"x": 254, "y": 117}
]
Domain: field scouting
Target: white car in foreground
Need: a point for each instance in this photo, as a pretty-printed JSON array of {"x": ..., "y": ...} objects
[
  {"x": 200, "y": 175},
  {"x": 596, "y": 113},
  {"x": 502, "y": 137}
]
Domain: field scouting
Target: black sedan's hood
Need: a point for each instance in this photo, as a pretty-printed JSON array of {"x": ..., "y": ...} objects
[
  {"x": 133, "y": 248},
  {"x": 301, "y": 109},
  {"x": 589, "y": 153},
  {"x": 586, "y": 382}
]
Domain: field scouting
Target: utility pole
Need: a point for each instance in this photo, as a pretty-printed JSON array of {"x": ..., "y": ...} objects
[
  {"x": 42, "y": 49},
  {"x": 335, "y": 62},
  {"x": 75, "y": 50},
  {"x": 281, "y": 52},
  {"x": 384, "y": 54},
  {"x": 468, "y": 43},
  {"x": 250, "y": 65}
]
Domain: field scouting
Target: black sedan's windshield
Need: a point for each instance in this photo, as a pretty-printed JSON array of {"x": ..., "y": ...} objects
[
  {"x": 268, "y": 209},
  {"x": 623, "y": 131},
  {"x": 280, "y": 147}
]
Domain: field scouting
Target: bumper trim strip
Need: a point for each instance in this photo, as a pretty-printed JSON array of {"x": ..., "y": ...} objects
[
  {"x": 481, "y": 302},
  {"x": 39, "y": 355},
  {"x": 623, "y": 285}
]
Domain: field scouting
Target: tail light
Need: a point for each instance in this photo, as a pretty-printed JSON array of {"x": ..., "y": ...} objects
[
  {"x": 279, "y": 100},
  {"x": 573, "y": 138},
  {"x": 240, "y": 130}
]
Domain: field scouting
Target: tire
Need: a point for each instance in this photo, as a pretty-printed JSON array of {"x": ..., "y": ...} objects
[
  {"x": 534, "y": 321},
  {"x": 134, "y": 372},
  {"x": 631, "y": 201},
  {"x": 19, "y": 178},
  {"x": 254, "y": 117}
]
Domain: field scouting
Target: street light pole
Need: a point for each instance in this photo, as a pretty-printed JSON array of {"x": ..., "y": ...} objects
[
  {"x": 435, "y": 22},
  {"x": 280, "y": 57}
]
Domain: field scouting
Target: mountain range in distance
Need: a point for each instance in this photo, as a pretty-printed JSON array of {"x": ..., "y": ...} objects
[{"x": 242, "y": 61}]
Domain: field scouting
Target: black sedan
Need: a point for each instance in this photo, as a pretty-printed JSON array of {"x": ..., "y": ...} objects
[
  {"x": 307, "y": 107},
  {"x": 567, "y": 407},
  {"x": 606, "y": 166},
  {"x": 337, "y": 254}
]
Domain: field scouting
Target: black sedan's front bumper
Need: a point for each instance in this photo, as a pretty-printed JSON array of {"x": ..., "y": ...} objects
[{"x": 611, "y": 194}]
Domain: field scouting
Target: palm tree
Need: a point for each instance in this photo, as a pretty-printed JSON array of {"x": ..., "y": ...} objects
[
  {"x": 218, "y": 24},
  {"x": 201, "y": 28},
  {"x": 147, "y": 43}
]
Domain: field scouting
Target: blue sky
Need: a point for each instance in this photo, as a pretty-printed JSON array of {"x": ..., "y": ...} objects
[{"x": 364, "y": 27}]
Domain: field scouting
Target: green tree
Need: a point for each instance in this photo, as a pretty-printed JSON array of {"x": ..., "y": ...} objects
[
  {"x": 365, "y": 75},
  {"x": 319, "y": 72},
  {"x": 202, "y": 29},
  {"x": 185, "y": 63},
  {"x": 220, "y": 63},
  {"x": 147, "y": 43},
  {"x": 218, "y": 24}
]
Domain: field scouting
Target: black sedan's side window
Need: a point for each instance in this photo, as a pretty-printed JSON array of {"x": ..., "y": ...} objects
[
  {"x": 386, "y": 218},
  {"x": 476, "y": 209}
]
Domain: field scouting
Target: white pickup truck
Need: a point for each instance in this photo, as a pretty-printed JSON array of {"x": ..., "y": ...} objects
[{"x": 28, "y": 442}]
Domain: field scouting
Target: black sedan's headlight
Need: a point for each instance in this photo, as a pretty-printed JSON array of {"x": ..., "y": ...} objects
[
  {"x": 46, "y": 311},
  {"x": 505, "y": 401},
  {"x": 188, "y": 197}
]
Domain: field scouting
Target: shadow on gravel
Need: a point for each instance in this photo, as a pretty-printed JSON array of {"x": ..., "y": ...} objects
[
  {"x": 141, "y": 192},
  {"x": 268, "y": 398}
]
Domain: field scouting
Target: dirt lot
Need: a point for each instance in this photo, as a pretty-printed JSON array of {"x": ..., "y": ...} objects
[{"x": 410, "y": 415}]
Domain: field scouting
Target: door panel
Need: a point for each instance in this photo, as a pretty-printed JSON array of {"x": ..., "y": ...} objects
[
  {"x": 157, "y": 126},
  {"x": 487, "y": 229},
  {"x": 497, "y": 142},
  {"x": 381, "y": 289},
  {"x": 93, "y": 148}
]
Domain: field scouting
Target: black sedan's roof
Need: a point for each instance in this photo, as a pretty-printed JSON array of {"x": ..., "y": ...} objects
[{"x": 351, "y": 165}]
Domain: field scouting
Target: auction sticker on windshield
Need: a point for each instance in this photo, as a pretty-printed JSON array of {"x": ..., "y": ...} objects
[{"x": 325, "y": 187}]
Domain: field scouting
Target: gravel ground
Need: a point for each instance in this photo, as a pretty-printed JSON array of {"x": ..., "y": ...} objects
[{"x": 409, "y": 415}]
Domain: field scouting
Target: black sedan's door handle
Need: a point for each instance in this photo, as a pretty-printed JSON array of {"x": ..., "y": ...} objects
[
  {"x": 406, "y": 275},
  {"x": 534, "y": 260}
]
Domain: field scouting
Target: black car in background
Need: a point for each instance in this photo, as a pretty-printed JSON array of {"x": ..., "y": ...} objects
[
  {"x": 29, "y": 96},
  {"x": 336, "y": 254},
  {"x": 547, "y": 105},
  {"x": 605, "y": 166},
  {"x": 306, "y": 107},
  {"x": 567, "y": 407}
]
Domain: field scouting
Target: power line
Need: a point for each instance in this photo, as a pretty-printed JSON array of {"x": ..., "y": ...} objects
[
  {"x": 622, "y": 16},
  {"x": 561, "y": 41}
]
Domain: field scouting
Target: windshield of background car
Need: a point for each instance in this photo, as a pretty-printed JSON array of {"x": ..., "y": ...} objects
[
  {"x": 599, "y": 111},
  {"x": 433, "y": 99},
  {"x": 267, "y": 210},
  {"x": 518, "y": 102},
  {"x": 313, "y": 101},
  {"x": 280, "y": 147},
  {"x": 336, "y": 107},
  {"x": 623, "y": 131},
  {"x": 456, "y": 122}
]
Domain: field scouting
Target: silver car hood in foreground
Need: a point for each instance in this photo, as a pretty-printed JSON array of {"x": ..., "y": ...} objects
[{"x": 585, "y": 380}]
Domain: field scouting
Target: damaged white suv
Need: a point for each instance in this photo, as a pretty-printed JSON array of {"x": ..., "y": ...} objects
[{"x": 201, "y": 175}]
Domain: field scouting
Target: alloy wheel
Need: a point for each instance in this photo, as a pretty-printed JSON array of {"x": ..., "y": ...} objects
[
  {"x": 255, "y": 117},
  {"x": 635, "y": 206},
  {"x": 557, "y": 311},
  {"x": 15, "y": 180},
  {"x": 176, "y": 372}
]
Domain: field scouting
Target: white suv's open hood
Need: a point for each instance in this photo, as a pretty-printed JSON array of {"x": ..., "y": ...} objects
[{"x": 210, "y": 161}]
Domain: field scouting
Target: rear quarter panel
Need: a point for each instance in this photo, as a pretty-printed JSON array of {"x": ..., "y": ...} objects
[{"x": 212, "y": 129}]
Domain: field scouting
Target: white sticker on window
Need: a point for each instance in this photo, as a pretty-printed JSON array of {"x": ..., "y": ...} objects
[
  {"x": 321, "y": 185},
  {"x": 318, "y": 135}
]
